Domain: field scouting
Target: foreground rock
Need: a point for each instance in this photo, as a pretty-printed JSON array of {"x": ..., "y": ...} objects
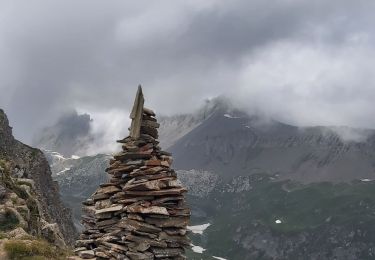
[
  {"x": 20, "y": 214},
  {"x": 29, "y": 199},
  {"x": 141, "y": 212}
]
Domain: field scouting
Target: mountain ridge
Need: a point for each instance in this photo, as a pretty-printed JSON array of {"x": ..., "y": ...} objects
[
  {"x": 245, "y": 144},
  {"x": 29, "y": 164}
]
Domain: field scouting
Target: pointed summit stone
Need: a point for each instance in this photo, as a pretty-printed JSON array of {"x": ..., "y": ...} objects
[{"x": 136, "y": 114}]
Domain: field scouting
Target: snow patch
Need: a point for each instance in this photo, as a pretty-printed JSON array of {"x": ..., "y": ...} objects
[
  {"x": 61, "y": 172},
  {"x": 278, "y": 221},
  {"x": 199, "y": 228},
  {"x": 366, "y": 180},
  {"x": 197, "y": 249},
  {"x": 58, "y": 156},
  {"x": 75, "y": 157},
  {"x": 230, "y": 116},
  {"x": 220, "y": 258}
]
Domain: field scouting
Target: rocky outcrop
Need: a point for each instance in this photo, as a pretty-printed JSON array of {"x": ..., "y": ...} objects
[
  {"x": 20, "y": 212},
  {"x": 27, "y": 179},
  {"x": 141, "y": 212}
]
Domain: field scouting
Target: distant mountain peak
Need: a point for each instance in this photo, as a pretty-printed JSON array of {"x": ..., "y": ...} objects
[
  {"x": 172, "y": 128},
  {"x": 220, "y": 104},
  {"x": 69, "y": 135}
]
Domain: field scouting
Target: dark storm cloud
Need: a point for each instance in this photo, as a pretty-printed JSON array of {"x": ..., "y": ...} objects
[{"x": 300, "y": 58}]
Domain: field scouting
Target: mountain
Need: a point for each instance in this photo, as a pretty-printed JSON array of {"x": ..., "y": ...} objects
[
  {"x": 232, "y": 143},
  {"x": 30, "y": 203},
  {"x": 70, "y": 135},
  {"x": 276, "y": 191},
  {"x": 173, "y": 128},
  {"x": 269, "y": 190}
]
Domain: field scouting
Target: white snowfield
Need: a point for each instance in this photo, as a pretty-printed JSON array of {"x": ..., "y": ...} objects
[
  {"x": 366, "y": 180},
  {"x": 278, "y": 221},
  {"x": 61, "y": 157},
  {"x": 199, "y": 228},
  {"x": 197, "y": 249}
]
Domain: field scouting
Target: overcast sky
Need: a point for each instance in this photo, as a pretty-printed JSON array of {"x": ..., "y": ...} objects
[{"x": 302, "y": 62}]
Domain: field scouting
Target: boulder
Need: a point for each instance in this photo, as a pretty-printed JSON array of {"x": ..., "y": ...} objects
[
  {"x": 87, "y": 254},
  {"x": 52, "y": 234},
  {"x": 18, "y": 233}
]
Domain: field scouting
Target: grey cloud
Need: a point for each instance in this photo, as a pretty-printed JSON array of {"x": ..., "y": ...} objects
[{"x": 90, "y": 55}]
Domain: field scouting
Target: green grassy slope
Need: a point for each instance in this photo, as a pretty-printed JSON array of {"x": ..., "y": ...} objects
[{"x": 316, "y": 219}]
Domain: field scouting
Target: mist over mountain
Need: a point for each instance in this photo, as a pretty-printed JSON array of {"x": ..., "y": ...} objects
[
  {"x": 234, "y": 143},
  {"x": 173, "y": 127},
  {"x": 70, "y": 135},
  {"x": 222, "y": 138},
  {"x": 81, "y": 134}
]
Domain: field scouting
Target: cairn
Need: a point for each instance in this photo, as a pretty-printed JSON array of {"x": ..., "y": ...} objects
[{"x": 141, "y": 212}]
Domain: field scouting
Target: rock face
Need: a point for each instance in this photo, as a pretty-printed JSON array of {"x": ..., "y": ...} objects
[
  {"x": 141, "y": 212},
  {"x": 236, "y": 144},
  {"x": 28, "y": 178}
]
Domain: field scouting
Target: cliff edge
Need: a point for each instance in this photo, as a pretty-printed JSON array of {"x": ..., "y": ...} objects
[{"x": 26, "y": 186}]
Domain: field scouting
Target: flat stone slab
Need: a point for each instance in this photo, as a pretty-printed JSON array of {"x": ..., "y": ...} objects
[
  {"x": 169, "y": 222},
  {"x": 87, "y": 254},
  {"x": 147, "y": 210},
  {"x": 108, "y": 190},
  {"x": 133, "y": 225},
  {"x": 157, "y": 193},
  {"x": 111, "y": 209}
]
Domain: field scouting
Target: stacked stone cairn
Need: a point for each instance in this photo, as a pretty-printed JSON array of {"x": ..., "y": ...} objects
[{"x": 141, "y": 212}]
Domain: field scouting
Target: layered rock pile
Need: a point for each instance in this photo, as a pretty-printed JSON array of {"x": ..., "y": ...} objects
[{"x": 141, "y": 212}]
